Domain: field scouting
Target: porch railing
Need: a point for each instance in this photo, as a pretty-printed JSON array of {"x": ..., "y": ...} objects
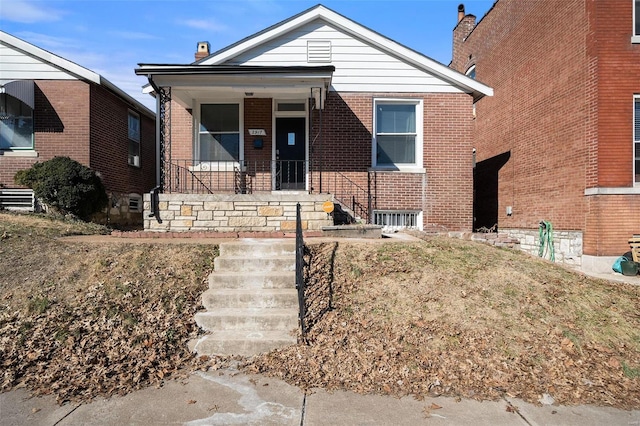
[
  {"x": 350, "y": 194},
  {"x": 239, "y": 177}
]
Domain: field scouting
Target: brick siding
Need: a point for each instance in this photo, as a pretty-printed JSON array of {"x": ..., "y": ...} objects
[{"x": 564, "y": 75}]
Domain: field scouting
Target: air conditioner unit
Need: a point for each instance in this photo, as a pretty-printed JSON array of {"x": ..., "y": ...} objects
[{"x": 136, "y": 160}]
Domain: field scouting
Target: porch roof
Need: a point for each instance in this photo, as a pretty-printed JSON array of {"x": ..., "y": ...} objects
[{"x": 189, "y": 82}]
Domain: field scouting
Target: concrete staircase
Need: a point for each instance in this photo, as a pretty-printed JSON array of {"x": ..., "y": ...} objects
[{"x": 252, "y": 303}]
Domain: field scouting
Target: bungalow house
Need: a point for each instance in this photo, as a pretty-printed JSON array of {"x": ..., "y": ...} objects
[
  {"x": 560, "y": 140},
  {"x": 50, "y": 106},
  {"x": 315, "y": 108}
]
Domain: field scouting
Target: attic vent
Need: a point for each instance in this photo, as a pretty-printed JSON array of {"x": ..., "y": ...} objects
[{"x": 319, "y": 51}]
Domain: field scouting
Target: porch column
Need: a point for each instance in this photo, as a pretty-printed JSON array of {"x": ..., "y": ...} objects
[{"x": 163, "y": 127}]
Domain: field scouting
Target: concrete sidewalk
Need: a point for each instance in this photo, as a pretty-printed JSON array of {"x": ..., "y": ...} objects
[{"x": 227, "y": 397}]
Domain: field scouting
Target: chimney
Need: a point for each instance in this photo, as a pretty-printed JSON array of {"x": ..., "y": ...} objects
[
  {"x": 460, "y": 12},
  {"x": 203, "y": 50}
]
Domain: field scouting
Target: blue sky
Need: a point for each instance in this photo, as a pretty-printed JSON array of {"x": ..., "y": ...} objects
[{"x": 111, "y": 37}]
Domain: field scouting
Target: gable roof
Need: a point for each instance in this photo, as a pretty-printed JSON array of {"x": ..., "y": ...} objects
[
  {"x": 63, "y": 65},
  {"x": 366, "y": 35}
]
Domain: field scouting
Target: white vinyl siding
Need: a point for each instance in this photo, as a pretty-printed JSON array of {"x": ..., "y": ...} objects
[
  {"x": 359, "y": 66},
  {"x": 18, "y": 66}
]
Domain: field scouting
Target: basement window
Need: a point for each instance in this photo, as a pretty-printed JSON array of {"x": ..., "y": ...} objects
[{"x": 395, "y": 220}]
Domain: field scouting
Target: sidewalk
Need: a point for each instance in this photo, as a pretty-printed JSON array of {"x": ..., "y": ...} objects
[{"x": 227, "y": 397}]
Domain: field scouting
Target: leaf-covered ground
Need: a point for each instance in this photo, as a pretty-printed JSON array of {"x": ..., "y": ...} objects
[
  {"x": 447, "y": 317},
  {"x": 433, "y": 317},
  {"x": 81, "y": 320}
]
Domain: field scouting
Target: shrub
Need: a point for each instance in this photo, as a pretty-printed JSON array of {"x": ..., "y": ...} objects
[{"x": 65, "y": 186}]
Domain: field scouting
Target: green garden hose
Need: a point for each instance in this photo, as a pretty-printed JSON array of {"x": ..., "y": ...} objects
[{"x": 546, "y": 240}]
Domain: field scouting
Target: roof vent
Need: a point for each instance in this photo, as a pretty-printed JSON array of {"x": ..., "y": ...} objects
[{"x": 319, "y": 51}]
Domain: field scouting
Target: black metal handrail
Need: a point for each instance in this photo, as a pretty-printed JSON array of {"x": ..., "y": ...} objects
[
  {"x": 351, "y": 195},
  {"x": 299, "y": 271}
]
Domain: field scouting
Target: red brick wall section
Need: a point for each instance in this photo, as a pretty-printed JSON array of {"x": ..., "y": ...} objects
[
  {"x": 614, "y": 219},
  {"x": 257, "y": 115},
  {"x": 533, "y": 55},
  {"x": 61, "y": 126},
  {"x": 618, "y": 80},
  {"x": 110, "y": 144},
  {"x": 181, "y": 133},
  {"x": 444, "y": 194},
  {"x": 564, "y": 76}
]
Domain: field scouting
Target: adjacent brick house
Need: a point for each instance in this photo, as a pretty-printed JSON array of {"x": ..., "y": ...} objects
[
  {"x": 314, "y": 108},
  {"x": 53, "y": 107},
  {"x": 560, "y": 140}
]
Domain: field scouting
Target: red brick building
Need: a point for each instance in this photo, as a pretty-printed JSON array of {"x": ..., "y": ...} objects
[
  {"x": 314, "y": 108},
  {"x": 560, "y": 139},
  {"x": 53, "y": 107}
]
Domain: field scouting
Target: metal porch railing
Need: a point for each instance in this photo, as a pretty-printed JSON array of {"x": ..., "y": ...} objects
[{"x": 239, "y": 177}]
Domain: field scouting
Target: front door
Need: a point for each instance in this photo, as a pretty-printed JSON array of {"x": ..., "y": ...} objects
[{"x": 290, "y": 153}]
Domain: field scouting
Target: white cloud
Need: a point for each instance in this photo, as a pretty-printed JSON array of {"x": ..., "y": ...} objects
[
  {"x": 29, "y": 12},
  {"x": 205, "y": 24},
  {"x": 132, "y": 35}
]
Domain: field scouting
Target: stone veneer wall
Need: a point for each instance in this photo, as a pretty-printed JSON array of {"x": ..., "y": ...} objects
[
  {"x": 567, "y": 244},
  {"x": 236, "y": 212}
]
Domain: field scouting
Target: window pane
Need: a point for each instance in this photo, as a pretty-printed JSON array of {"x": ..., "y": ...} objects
[
  {"x": 285, "y": 106},
  {"x": 396, "y": 149},
  {"x": 637, "y": 162},
  {"x": 134, "y": 127},
  {"x": 636, "y": 118},
  {"x": 220, "y": 118},
  {"x": 637, "y": 18},
  {"x": 219, "y": 147},
  {"x": 396, "y": 118},
  {"x": 16, "y": 123}
]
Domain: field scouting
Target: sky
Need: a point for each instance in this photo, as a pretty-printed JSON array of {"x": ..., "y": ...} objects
[{"x": 111, "y": 37}]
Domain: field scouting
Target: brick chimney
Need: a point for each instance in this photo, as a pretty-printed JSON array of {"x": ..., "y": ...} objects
[
  {"x": 203, "y": 50},
  {"x": 466, "y": 24}
]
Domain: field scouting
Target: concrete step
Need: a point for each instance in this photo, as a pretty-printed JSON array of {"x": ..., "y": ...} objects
[
  {"x": 250, "y": 298},
  {"x": 247, "y": 319},
  {"x": 261, "y": 247},
  {"x": 273, "y": 279},
  {"x": 246, "y": 343},
  {"x": 248, "y": 264}
]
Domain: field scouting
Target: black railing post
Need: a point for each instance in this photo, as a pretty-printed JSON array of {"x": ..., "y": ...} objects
[{"x": 299, "y": 270}]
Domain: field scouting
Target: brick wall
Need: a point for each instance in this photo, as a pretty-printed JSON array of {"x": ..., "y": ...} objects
[
  {"x": 564, "y": 75},
  {"x": 61, "y": 126},
  {"x": 110, "y": 144}
]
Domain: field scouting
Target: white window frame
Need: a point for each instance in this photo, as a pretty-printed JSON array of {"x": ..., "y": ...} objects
[
  {"x": 635, "y": 38},
  {"x": 416, "y": 167},
  {"x": 134, "y": 136},
  {"x": 636, "y": 141},
  {"x": 217, "y": 165}
]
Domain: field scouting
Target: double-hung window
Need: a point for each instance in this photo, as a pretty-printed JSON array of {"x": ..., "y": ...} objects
[
  {"x": 397, "y": 133},
  {"x": 636, "y": 140},
  {"x": 134, "y": 139},
  {"x": 219, "y": 133},
  {"x": 16, "y": 124},
  {"x": 635, "y": 38}
]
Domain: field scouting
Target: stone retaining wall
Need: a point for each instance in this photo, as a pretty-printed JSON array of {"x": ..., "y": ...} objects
[
  {"x": 567, "y": 245},
  {"x": 236, "y": 212}
]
